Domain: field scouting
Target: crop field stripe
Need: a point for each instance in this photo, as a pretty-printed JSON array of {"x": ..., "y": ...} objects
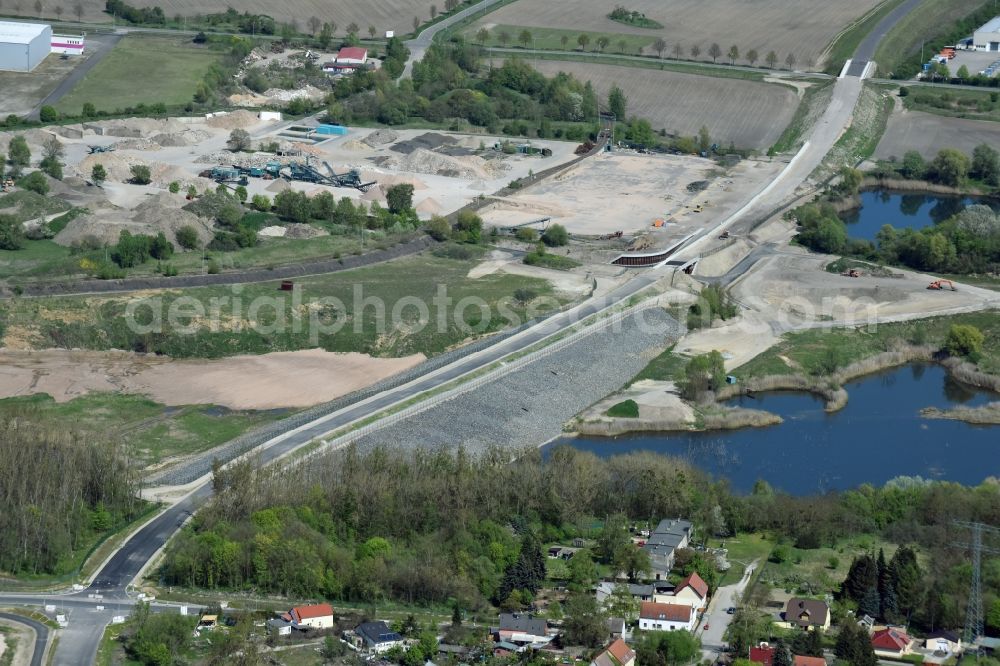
[{"x": 666, "y": 65}]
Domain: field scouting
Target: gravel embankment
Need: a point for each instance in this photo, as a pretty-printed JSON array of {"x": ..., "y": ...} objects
[{"x": 528, "y": 407}]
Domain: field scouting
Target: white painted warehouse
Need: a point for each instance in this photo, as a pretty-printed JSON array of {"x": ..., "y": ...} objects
[
  {"x": 987, "y": 38},
  {"x": 23, "y": 45}
]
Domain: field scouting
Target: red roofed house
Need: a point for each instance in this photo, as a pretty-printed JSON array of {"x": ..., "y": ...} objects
[
  {"x": 692, "y": 591},
  {"x": 666, "y": 617},
  {"x": 317, "y": 616},
  {"x": 616, "y": 654},
  {"x": 348, "y": 59},
  {"x": 798, "y": 660},
  {"x": 762, "y": 654},
  {"x": 891, "y": 642}
]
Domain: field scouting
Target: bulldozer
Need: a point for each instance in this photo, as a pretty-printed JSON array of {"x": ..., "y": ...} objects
[{"x": 940, "y": 285}]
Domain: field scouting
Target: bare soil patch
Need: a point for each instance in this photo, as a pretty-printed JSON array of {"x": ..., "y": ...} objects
[
  {"x": 270, "y": 381},
  {"x": 802, "y": 28},
  {"x": 928, "y": 133}
]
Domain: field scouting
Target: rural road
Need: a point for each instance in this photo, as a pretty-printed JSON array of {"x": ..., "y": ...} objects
[
  {"x": 716, "y": 617},
  {"x": 419, "y": 44},
  {"x": 98, "y": 46},
  {"x": 41, "y": 635}
]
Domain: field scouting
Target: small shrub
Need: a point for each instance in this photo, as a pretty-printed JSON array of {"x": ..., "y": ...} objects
[
  {"x": 524, "y": 296},
  {"x": 35, "y": 182},
  {"x": 48, "y": 114},
  {"x": 628, "y": 409},
  {"x": 174, "y": 187},
  {"x": 526, "y": 235},
  {"x": 140, "y": 174},
  {"x": 555, "y": 236},
  {"x": 964, "y": 340},
  {"x": 213, "y": 267}
]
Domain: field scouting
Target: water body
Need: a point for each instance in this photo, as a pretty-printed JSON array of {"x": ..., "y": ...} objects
[
  {"x": 904, "y": 209},
  {"x": 877, "y": 436}
]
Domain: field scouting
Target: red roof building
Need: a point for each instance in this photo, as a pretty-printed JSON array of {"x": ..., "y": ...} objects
[
  {"x": 891, "y": 640},
  {"x": 616, "y": 654},
  {"x": 319, "y": 616},
  {"x": 762, "y": 654},
  {"x": 695, "y": 582},
  {"x": 352, "y": 55},
  {"x": 798, "y": 660},
  {"x": 666, "y": 617}
]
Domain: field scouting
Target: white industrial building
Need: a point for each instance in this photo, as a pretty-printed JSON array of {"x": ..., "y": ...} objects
[
  {"x": 987, "y": 38},
  {"x": 23, "y": 45}
]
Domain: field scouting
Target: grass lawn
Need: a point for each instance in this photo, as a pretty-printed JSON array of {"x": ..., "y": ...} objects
[
  {"x": 173, "y": 66},
  {"x": 667, "y": 366},
  {"x": 612, "y": 57},
  {"x": 552, "y": 39},
  {"x": 156, "y": 431},
  {"x": 743, "y": 550},
  {"x": 818, "y": 571},
  {"x": 98, "y": 322},
  {"x": 954, "y": 102},
  {"x": 810, "y": 350}
]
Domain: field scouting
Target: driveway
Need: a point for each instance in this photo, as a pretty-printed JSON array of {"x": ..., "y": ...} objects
[
  {"x": 98, "y": 46},
  {"x": 716, "y": 617},
  {"x": 418, "y": 45}
]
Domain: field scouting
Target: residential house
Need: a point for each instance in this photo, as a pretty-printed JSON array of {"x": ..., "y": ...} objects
[
  {"x": 522, "y": 629},
  {"x": 377, "y": 636},
  {"x": 666, "y": 617},
  {"x": 807, "y": 614},
  {"x": 616, "y": 654},
  {"x": 692, "y": 591},
  {"x": 315, "y": 616},
  {"x": 279, "y": 626},
  {"x": 616, "y": 627},
  {"x": 640, "y": 592},
  {"x": 891, "y": 642},
  {"x": 762, "y": 654},
  {"x": 943, "y": 641},
  {"x": 663, "y": 543},
  {"x": 348, "y": 59},
  {"x": 799, "y": 660}
]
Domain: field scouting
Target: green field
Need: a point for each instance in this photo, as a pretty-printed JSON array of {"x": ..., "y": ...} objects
[
  {"x": 552, "y": 39},
  {"x": 816, "y": 571},
  {"x": 155, "y": 431},
  {"x": 142, "y": 70},
  {"x": 924, "y": 22},
  {"x": 99, "y": 323},
  {"x": 954, "y": 102}
]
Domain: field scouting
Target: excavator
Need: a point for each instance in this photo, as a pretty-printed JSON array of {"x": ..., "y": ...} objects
[
  {"x": 851, "y": 272},
  {"x": 938, "y": 285}
]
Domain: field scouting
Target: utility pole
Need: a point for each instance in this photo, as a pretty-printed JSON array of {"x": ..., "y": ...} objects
[{"x": 974, "y": 609}]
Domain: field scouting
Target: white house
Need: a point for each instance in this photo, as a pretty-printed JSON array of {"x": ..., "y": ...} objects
[
  {"x": 377, "y": 636},
  {"x": 666, "y": 617},
  {"x": 317, "y": 616},
  {"x": 987, "y": 38},
  {"x": 692, "y": 591}
]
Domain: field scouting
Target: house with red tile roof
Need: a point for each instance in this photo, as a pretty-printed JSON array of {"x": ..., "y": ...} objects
[
  {"x": 666, "y": 617},
  {"x": 891, "y": 642},
  {"x": 316, "y": 616},
  {"x": 616, "y": 654},
  {"x": 693, "y": 591},
  {"x": 762, "y": 654},
  {"x": 799, "y": 660}
]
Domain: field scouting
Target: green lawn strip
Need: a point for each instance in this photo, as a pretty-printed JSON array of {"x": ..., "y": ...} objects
[
  {"x": 810, "y": 351},
  {"x": 100, "y": 322},
  {"x": 155, "y": 431},
  {"x": 954, "y": 102},
  {"x": 668, "y": 366},
  {"x": 847, "y": 42},
  {"x": 742, "y": 550},
  {"x": 707, "y": 69},
  {"x": 552, "y": 38},
  {"x": 792, "y": 137},
  {"x": 626, "y": 409},
  {"x": 175, "y": 64}
]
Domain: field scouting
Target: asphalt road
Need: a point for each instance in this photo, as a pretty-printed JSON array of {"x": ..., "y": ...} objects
[
  {"x": 98, "y": 46},
  {"x": 419, "y": 44},
  {"x": 41, "y": 635},
  {"x": 866, "y": 49},
  {"x": 717, "y": 619}
]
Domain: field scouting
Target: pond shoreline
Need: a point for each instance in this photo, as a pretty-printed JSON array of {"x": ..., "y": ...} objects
[{"x": 828, "y": 387}]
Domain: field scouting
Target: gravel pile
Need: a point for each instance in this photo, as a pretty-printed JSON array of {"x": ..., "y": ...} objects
[
  {"x": 529, "y": 406},
  {"x": 380, "y": 137}
]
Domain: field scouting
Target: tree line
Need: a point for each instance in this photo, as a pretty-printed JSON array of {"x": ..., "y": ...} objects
[{"x": 429, "y": 526}]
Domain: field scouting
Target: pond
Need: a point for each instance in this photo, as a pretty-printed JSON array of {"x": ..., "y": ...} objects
[
  {"x": 879, "y": 435},
  {"x": 904, "y": 209}
]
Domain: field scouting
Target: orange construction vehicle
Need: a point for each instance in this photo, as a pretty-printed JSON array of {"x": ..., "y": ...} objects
[
  {"x": 852, "y": 272},
  {"x": 941, "y": 284}
]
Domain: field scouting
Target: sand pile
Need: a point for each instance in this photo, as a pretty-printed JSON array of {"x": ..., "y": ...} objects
[
  {"x": 159, "y": 213},
  {"x": 388, "y": 180},
  {"x": 353, "y": 144},
  {"x": 380, "y": 137},
  {"x": 429, "y": 206},
  {"x": 136, "y": 144},
  {"x": 374, "y": 194},
  {"x": 422, "y": 160},
  {"x": 234, "y": 120},
  {"x": 250, "y": 99},
  {"x": 280, "y": 185},
  {"x": 273, "y": 232},
  {"x": 180, "y": 139},
  {"x": 119, "y": 169}
]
